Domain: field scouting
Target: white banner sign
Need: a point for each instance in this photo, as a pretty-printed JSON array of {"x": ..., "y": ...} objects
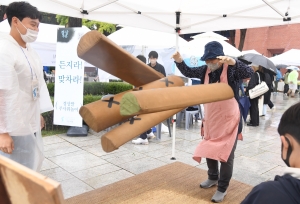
[{"x": 69, "y": 78}]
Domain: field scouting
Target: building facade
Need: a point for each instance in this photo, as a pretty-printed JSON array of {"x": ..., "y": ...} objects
[{"x": 271, "y": 41}]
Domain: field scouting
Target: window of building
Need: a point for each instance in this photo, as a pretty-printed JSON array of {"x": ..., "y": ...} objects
[{"x": 274, "y": 52}]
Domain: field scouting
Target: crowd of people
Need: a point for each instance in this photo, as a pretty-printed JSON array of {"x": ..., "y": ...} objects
[{"x": 24, "y": 96}]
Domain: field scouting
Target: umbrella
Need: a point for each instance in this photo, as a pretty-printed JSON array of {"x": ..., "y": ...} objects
[
  {"x": 260, "y": 60},
  {"x": 293, "y": 68},
  {"x": 280, "y": 66},
  {"x": 250, "y": 51},
  {"x": 245, "y": 105}
]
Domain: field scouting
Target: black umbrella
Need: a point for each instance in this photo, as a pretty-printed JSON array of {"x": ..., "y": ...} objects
[
  {"x": 260, "y": 60},
  {"x": 281, "y": 66}
]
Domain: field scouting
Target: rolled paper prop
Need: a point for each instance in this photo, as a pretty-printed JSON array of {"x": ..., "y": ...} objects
[
  {"x": 102, "y": 114},
  {"x": 98, "y": 50},
  {"x": 143, "y": 102},
  {"x": 113, "y": 139}
]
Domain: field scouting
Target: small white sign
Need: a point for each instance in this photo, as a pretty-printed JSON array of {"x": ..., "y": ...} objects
[{"x": 69, "y": 78}]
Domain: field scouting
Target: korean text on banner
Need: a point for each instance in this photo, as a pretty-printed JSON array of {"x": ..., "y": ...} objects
[{"x": 69, "y": 78}]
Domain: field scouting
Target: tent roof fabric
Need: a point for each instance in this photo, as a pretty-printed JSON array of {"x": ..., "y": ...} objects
[
  {"x": 210, "y": 34},
  {"x": 197, "y": 45},
  {"x": 290, "y": 57},
  {"x": 143, "y": 37},
  {"x": 195, "y": 15}
]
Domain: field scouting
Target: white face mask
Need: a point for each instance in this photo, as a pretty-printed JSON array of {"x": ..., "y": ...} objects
[
  {"x": 213, "y": 66},
  {"x": 30, "y": 35}
]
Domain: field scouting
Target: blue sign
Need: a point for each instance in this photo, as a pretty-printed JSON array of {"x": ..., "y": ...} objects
[{"x": 192, "y": 62}]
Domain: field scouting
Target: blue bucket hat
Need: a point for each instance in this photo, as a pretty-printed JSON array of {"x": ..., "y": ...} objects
[{"x": 212, "y": 50}]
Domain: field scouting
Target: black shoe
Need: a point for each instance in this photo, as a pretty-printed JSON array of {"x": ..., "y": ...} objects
[
  {"x": 250, "y": 124},
  {"x": 191, "y": 109}
]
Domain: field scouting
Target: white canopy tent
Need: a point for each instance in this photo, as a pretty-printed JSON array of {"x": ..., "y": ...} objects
[
  {"x": 185, "y": 16},
  {"x": 250, "y": 51},
  {"x": 210, "y": 35},
  {"x": 193, "y": 15},
  {"x": 291, "y": 57},
  {"x": 144, "y": 37},
  {"x": 197, "y": 45}
]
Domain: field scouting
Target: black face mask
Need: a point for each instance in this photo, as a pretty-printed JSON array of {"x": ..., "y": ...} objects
[{"x": 288, "y": 154}]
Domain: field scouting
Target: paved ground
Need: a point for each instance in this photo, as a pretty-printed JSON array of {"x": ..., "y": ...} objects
[{"x": 81, "y": 165}]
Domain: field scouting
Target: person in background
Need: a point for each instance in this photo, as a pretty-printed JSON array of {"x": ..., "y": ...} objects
[
  {"x": 286, "y": 188},
  {"x": 293, "y": 82},
  {"x": 286, "y": 82},
  {"x": 272, "y": 88},
  {"x": 23, "y": 91},
  {"x": 153, "y": 56},
  {"x": 268, "y": 78},
  {"x": 143, "y": 139},
  {"x": 254, "y": 111},
  {"x": 277, "y": 79}
]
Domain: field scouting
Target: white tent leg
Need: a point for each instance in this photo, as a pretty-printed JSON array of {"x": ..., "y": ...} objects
[
  {"x": 173, "y": 138},
  {"x": 177, "y": 50},
  {"x": 177, "y": 41}
]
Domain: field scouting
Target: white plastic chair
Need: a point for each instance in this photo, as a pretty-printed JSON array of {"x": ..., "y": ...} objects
[{"x": 188, "y": 116}]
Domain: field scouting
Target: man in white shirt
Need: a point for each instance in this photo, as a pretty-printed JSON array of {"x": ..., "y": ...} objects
[
  {"x": 23, "y": 91},
  {"x": 286, "y": 188}
]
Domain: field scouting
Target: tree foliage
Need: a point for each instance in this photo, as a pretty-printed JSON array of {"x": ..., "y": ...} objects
[
  {"x": 62, "y": 20},
  {"x": 102, "y": 27}
]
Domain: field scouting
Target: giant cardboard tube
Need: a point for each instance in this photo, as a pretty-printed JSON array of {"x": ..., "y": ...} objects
[
  {"x": 132, "y": 128},
  {"x": 102, "y": 114},
  {"x": 141, "y": 102},
  {"x": 98, "y": 50}
]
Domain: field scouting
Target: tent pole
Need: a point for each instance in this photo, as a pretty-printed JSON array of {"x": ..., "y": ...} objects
[
  {"x": 177, "y": 41},
  {"x": 272, "y": 7},
  {"x": 67, "y": 5},
  {"x": 102, "y": 5},
  {"x": 177, "y": 29}
]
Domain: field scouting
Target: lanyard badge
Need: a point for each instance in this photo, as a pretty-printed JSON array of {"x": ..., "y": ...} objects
[
  {"x": 35, "y": 89},
  {"x": 34, "y": 82}
]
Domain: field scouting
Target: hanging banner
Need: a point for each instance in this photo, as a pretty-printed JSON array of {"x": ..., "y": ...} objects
[{"x": 69, "y": 78}]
